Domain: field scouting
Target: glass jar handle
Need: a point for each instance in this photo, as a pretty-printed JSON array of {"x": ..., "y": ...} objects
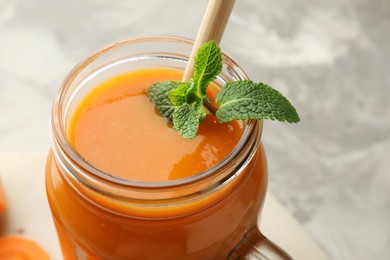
[{"x": 255, "y": 245}]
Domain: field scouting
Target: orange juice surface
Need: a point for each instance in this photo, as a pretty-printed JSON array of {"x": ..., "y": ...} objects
[{"x": 117, "y": 129}]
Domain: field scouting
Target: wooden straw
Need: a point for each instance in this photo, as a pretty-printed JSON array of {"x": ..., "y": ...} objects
[{"x": 212, "y": 28}]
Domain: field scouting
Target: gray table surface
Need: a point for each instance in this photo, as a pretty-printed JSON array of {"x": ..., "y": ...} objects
[{"x": 330, "y": 58}]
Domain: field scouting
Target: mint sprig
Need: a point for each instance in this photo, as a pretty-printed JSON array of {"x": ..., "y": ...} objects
[{"x": 185, "y": 103}]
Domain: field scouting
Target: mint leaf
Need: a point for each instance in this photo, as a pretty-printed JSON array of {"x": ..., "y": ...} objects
[
  {"x": 248, "y": 100},
  {"x": 186, "y": 119},
  {"x": 158, "y": 93},
  {"x": 207, "y": 66},
  {"x": 178, "y": 96}
]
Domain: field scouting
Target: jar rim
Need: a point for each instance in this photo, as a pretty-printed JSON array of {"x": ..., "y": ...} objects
[{"x": 61, "y": 141}]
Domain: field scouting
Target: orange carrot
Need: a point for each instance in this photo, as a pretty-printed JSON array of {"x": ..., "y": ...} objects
[
  {"x": 3, "y": 201},
  {"x": 13, "y": 248}
]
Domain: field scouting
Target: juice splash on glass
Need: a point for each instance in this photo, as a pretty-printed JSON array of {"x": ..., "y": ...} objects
[{"x": 122, "y": 184}]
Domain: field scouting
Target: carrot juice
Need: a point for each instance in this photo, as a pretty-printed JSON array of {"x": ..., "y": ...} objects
[
  {"x": 123, "y": 184},
  {"x": 117, "y": 119}
]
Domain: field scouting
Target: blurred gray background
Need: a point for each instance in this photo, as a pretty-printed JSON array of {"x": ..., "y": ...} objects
[{"x": 330, "y": 58}]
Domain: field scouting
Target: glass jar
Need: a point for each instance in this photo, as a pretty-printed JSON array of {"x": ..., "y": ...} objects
[{"x": 212, "y": 215}]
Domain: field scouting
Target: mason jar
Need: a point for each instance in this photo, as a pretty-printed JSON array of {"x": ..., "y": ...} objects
[{"x": 211, "y": 215}]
